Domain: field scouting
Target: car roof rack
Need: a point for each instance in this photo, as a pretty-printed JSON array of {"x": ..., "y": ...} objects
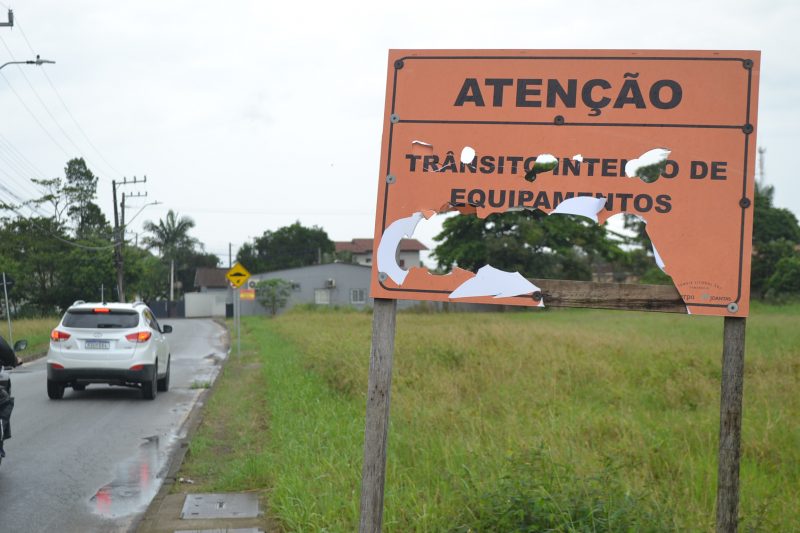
[{"x": 78, "y": 302}]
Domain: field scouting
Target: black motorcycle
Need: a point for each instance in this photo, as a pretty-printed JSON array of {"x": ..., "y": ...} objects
[{"x": 6, "y": 401}]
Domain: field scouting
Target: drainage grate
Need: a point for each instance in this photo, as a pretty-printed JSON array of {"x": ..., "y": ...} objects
[
  {"x": 237, "y": 530},
  {"x": 203, "y": 506}
]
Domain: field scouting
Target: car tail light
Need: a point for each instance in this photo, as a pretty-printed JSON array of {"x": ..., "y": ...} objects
[
  {"x": 56, "y": 366},
  {"x": 139, "y": 336},
  {"x": 101, "y": 310},
  {"x": 137, "y": 368},
  {"x": 58, "y": 336}
]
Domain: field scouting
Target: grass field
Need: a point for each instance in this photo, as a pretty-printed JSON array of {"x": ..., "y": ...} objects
[
  {"x": 573, "y": 420},
  {"x": 35, "y": 330}
]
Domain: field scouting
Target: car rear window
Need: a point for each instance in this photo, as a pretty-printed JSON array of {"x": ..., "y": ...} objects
[{"x": 89, "y": 318}]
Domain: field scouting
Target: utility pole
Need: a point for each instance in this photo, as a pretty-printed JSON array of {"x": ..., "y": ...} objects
[
  {"x": 761, "y": 152},
  {"x": 123, "y": 227},
  {"x": 118, "y": 233},
  {"x": 117, "y": 247}
]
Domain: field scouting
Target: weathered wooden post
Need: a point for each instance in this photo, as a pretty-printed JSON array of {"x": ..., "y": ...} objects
[
  {"x": 730, "y": 425},
  {"x": 384, "y": 317}
]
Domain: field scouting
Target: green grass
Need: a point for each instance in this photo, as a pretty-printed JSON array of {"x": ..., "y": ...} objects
[
  {"x": 35, "y": 330},
  {"x": 605, "y": 420}
]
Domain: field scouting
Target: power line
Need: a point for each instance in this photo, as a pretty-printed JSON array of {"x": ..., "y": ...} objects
[
  {"x": 45, "y": 107},
  {"x": 36, "y": 94},
  {"x": 17, "y": 198},
  {"x": 35, "y": 118},
  {"x": 58, "y": 237},
  {"x": 32, "y": 169},
  {"x": 66, "y": 108},
  {"x": 21, "y": 179}
]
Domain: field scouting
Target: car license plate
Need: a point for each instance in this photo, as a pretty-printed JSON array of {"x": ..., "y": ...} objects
[{"x": 98, "y": 345}]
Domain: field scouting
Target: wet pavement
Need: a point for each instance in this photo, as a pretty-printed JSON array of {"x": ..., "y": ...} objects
[
  {"x": 94, "y": 460},
  {"x": 136, "y": 482}
]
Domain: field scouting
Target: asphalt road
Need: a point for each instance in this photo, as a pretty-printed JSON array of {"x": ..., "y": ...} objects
[{"x": 94, "y": 460}]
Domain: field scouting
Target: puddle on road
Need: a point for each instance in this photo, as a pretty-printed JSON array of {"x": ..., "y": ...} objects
[{"x": 136, "y": 482}]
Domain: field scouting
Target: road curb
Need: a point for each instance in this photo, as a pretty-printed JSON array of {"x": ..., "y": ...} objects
[{"x": 152, "y": 516}]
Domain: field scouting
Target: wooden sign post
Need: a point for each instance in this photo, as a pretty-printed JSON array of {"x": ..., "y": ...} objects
[
  {"x": 373, "y": 475},
  {"x": 569, "y": 132},
  {"x": 730, "y": 425}
]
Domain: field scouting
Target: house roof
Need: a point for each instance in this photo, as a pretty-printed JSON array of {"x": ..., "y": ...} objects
[
  {"x": 212, "y": 278},
  {"x": 364, "y": 246}
]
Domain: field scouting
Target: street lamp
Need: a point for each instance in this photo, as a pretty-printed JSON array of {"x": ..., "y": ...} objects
[{"x": 37, "y": 61}]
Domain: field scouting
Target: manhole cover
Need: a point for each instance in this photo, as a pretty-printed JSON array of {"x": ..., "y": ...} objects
[{"x": 220, "y": 506}]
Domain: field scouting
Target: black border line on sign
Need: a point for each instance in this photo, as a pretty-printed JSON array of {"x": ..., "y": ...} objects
[{"x": 577, "y": 124}]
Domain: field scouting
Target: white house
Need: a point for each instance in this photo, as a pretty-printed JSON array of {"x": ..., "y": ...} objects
[{"x": 361, "y": 250}]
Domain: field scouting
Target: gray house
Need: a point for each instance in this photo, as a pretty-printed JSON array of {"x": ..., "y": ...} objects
[
  {"x": 342, "y": 284},
  {"x": 332, "y": 284}
]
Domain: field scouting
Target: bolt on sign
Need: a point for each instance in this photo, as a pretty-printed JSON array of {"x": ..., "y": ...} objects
[{"x": 667, "y": 136}]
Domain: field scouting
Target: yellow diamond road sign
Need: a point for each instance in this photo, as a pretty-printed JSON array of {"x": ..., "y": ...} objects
[{"x": 237, "y": 275}]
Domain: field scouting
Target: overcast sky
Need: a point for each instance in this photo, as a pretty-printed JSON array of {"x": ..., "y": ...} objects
[{"x": 249, "y": 115}]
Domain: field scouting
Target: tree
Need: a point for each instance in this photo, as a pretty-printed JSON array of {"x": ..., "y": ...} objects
[
  {"x": 35, "y": 251},
  {"x": 273, "y": 294},
  {"x": 528, "y": 242},
  {"x": 86, "y": 275},
  {"x": 785, "y": 282},
  {"x": 80, "y": 189},
  {"x": 94, "y": 225},
  {"x": 776, "y": 234},
  {"x": 772, "y": 223},
  {"x": 145, "y": 274},
  {"x": 54, "y": 196},
  {"x": 288, "y": 247},
  {"x": 171, "y": 237},
  {"x": 187, "y": 263}
]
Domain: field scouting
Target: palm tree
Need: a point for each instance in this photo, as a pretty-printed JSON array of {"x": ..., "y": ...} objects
[{"x": 170, "y": 236}]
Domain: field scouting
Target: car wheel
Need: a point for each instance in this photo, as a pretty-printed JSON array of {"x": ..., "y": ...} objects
[
  {"x": 55, "y": 390},
  {"x": 163, "y": 383},
  {"x": 79, "y": 387},
  {"x": 149, "y": 388}
]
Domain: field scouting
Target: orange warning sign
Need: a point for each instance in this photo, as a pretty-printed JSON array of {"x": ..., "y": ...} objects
[{"x": 669, "y": 136}]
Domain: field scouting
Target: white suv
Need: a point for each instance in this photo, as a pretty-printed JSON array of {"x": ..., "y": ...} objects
[{"x": 114, "y": 343}]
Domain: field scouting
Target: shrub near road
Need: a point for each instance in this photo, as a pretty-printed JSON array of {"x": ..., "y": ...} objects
[{"x": 573, "y": 420}]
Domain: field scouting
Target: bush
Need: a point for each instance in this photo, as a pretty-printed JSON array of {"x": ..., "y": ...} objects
[{"x": 784, "y": 284}]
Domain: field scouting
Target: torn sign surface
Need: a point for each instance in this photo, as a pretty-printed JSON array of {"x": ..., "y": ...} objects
[
  {"x": 496, "y": 283},
  {"x": 584, "y": 206},
  {"x": 594, "y": 112},
  {"x": 387, "y": 249}
]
